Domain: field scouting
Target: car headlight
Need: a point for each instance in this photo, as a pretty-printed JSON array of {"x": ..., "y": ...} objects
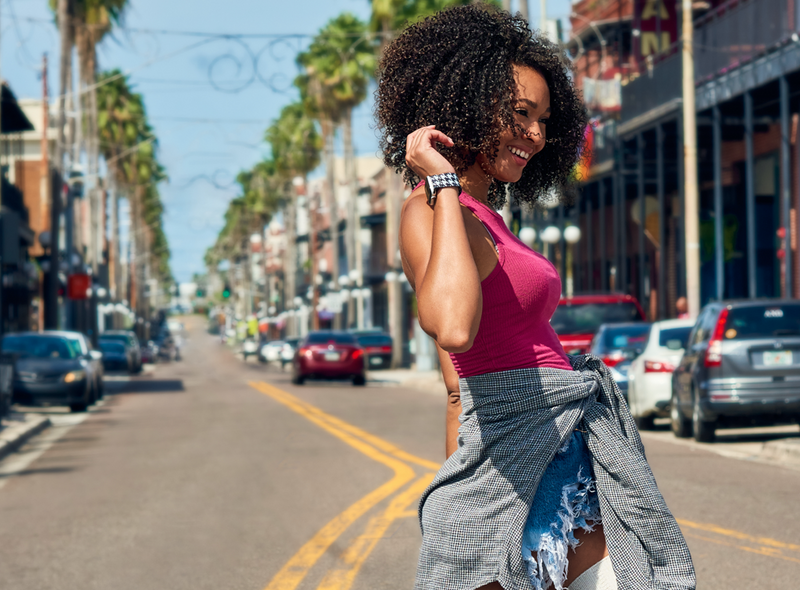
[{"x": 73, "y": 376}]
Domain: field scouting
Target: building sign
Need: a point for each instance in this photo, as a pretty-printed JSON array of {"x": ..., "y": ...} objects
[
  {"x": 657, "y": 23},
  {"x": 78, "y": 286}
]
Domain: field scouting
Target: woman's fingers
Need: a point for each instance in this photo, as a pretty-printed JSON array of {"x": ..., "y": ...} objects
[{"x": 421, "y": 153}]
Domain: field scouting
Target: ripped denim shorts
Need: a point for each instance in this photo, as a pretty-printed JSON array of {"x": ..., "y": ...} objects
[{"x": 566, "y": 500}]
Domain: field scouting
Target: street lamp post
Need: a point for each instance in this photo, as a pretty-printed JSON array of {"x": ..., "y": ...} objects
[{"x": 572, "y": 235}]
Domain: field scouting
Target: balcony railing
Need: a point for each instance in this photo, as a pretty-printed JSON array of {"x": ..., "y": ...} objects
[{"x": 728, "y": 37}]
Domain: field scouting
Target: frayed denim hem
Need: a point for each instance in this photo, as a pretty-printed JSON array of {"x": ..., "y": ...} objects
[{"x": 547, "y": 554}]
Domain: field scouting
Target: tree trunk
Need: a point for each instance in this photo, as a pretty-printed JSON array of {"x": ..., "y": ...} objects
[
  {"x": 290, "y": 259},
  {"x": 333, "y": 207},
  {"x": 523, "y": 9},
  {"x": 353, "y": 242}
]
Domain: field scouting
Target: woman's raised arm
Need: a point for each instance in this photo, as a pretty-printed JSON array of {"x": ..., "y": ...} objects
[{"x": 436, "y": 251}]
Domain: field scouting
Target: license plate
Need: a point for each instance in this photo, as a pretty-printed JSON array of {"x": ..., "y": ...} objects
[
  {"x": 375, "y": 361},
  {"x": 780, "y": 358},
  {"x": 332, "y": 356}
]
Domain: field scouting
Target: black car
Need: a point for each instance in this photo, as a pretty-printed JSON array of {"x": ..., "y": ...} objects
[
  {"x": 48, "y": 370},
  {"x": 378, "y": 348},
  {"x": 116, "y": 356},
  {"x": 130, "y": 340},
  {"x": 741, "y": 367}
]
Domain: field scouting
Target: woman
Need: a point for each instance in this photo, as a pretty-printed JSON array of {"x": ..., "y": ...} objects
[{"x": 545, "y": 485}]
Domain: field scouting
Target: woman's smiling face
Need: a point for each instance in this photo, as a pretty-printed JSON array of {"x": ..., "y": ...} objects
[{"x": 531, "y": 111}]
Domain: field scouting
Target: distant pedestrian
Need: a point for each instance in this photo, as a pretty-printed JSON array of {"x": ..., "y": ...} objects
[
  {"x": 546, "y": 483},
  {"x": 682, "y": 308}
]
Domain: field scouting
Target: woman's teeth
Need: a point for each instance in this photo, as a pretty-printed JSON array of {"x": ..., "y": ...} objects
[{"x": 518, "y": 152}]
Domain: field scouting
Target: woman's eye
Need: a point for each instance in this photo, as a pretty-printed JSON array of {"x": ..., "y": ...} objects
[
  {"x": 543, "y": 121},
  {"x": 522, "y": 112}
]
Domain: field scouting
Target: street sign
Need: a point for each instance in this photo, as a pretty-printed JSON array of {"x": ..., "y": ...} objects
[{"x": 78, "y": 286}]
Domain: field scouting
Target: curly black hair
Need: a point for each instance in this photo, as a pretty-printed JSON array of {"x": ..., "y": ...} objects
[{"x": 455, "y": 70}]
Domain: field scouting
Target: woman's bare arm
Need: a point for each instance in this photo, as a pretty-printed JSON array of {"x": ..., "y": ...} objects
[{"x": 436, "y": 252}]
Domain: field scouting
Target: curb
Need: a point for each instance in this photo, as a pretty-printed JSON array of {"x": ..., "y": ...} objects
[
  {"x": 783, "y": 451},
  {"x": 14, "y": 436}
]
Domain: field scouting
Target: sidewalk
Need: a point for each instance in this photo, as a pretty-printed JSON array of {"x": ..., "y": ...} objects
[
  {"x": 16, "y": 428},
  {"x": 430, "y": 381}
]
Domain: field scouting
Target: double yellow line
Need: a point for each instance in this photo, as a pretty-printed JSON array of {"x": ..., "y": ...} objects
[{"x": 342, "y": 576}]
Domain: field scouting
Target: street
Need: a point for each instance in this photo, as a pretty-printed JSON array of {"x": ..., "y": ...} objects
[{"x": 214, "y": 473}]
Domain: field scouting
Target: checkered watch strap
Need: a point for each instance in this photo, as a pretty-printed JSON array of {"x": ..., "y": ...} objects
[{"x": 440, "y": 181}]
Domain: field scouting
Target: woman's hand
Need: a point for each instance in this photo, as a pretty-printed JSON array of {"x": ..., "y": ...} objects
[{"x": 421, "y": 153}]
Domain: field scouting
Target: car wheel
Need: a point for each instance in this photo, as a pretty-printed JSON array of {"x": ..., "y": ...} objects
[
  {"x": 644, "y": 422},
  {"x": 298, "y": 379},
  {"x": 359, "y": 380},
  {"x": 681, "y": 427},
  {"x": 81, "y": 407},
  {"x": 703, "y": 430}
]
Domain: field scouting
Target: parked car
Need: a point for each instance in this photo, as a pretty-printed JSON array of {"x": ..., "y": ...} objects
[
  {"x": 93, "y": 359},
  {"x": 577, "y": 319},
  {"x": 741, "y": 367},
  {"x": 250, "y": 347},
  {"x": 270, "y": 351},
  {"x": 116, "y": 356},
  {"x": 48, "y": 370},
  {"x": 149, "y": 351},
  {"x": 329, "y": 355},
  {"x": 378, "y": 348},
  {"x": 130, "y": 340},
  {"x": 650, "y": 373},
  {"x": 618, "y": 345},
  {"x": 288, "y": 350}
]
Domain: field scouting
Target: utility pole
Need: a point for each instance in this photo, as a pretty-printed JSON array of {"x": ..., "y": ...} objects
[
  {"x": 51, "y": 308},
  {"x": 543, "y": 17},
  {"x": 692, "y": 223},
  {"x": 523, "y": 9}
]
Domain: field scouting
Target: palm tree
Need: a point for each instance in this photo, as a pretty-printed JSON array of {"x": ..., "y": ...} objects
[
  {"x": 296, "y": 147},
  {"x": 91, "y": 21},
  {"x": 343, "y": 56},
  {"x": 320, "y": 105},
  {"x": 129, "y": 147}
]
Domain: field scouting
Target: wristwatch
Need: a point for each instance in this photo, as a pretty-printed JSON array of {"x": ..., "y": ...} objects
[{"x": 435, "y": 183}]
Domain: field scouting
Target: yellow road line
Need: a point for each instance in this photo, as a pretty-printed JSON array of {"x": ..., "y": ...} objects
[
  {"x": 712, "y": 528},
  {"x": 760, "y": 551},
  {"x": 356, "y": 554},
  {"x": 382, "y": 451},
  {"x": 291, "y": 574}
]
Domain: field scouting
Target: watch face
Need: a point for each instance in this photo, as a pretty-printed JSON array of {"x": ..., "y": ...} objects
[{"x": 428, "y": 191}]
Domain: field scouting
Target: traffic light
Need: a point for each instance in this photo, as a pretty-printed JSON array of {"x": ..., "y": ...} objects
[{"x": 226, "y": 291}]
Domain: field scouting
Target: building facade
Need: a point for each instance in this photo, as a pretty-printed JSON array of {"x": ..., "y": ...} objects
[{"x": 631, "y": 205}]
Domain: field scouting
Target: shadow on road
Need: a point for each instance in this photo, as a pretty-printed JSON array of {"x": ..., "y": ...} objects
[
  {"x": 52, "y": 470},
  {"x": 152, "y": 386}
]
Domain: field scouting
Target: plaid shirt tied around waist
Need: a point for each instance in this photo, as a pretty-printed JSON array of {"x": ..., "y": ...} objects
[{"x": 513, "y": 423}]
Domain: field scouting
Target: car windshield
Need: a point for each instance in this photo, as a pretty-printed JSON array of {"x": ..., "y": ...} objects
[
  {"x": 39, "y": 347},
  {"x": 330, "y": 337},
  {"x": 625, "y": 338},
  {"x": 115, "y": 337},
  {"x": 674, "y": 335},
  {"x": 586, "y": 318},
  {"x": 292, "y": 341},
  {"x": 375, "y": 340},
  {"x": 767, "y": 321},
  {"x": 115, "y": 347}
]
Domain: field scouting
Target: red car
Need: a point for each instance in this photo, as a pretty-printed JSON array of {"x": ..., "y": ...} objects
[
  {"x": 577, "y": 319},
  {"x": 329, "y": 355}
]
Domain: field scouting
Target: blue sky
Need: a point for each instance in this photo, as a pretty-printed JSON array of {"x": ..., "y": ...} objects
[{"x": 209, "y": 99}]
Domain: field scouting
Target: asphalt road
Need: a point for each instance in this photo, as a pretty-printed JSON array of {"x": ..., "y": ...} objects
[{"x": 214, "y": 473}]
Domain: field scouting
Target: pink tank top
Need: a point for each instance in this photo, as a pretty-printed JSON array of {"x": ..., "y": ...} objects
[{"x": 519, "y": 298}]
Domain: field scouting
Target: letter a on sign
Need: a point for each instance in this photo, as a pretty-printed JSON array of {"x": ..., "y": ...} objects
[{"x": 655, "y": 9}]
